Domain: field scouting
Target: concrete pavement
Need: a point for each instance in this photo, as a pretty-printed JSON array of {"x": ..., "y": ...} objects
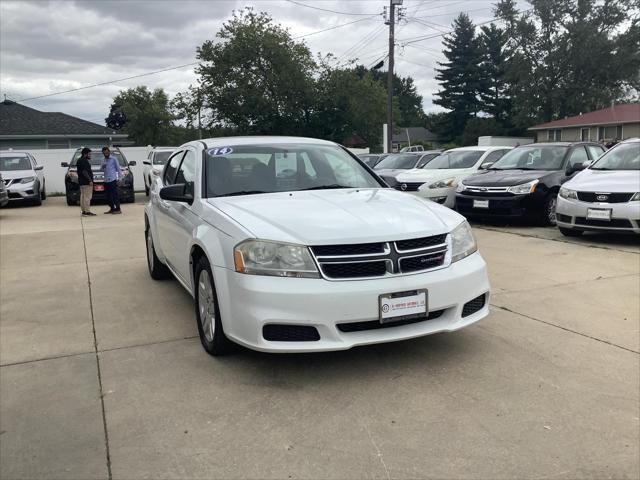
[{"x": 101, "y": 375}]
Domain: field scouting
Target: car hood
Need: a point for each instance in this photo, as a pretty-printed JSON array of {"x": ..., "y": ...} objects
[
  {"x": 389, "y": 172},
  {"x": 337, "y": 216},
  {"x": 503, "y": 178},
  {"x": 422, "y": 175},
  {"x": 13, "y": 174},
  {"x": 605, "y": 181}
]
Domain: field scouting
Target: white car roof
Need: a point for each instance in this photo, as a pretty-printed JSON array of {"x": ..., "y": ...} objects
[
  {"x": 268, "y": 140},
  {"x": 475, "y": 148},
  {"x": 163, "y": 149},
  {"x": 13, "y": 153}
]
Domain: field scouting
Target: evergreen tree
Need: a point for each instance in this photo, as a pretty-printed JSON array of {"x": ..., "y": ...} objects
[
  {"x": 494, "y": 94},
  {"x": 460, "y": 78}
]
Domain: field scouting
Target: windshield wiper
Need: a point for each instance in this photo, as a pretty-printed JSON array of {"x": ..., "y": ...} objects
[
  {"x": 601, "y": 168},
  {"x": 326, "y": 187},
  {"x": 242, "y": 192}
]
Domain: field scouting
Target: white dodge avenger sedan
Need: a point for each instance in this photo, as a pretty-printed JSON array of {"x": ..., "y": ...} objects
[{"x": 293, "y": 245}]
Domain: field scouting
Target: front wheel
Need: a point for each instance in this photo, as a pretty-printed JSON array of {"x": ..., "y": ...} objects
[
  {"x": 210, "y": 328},
  {"x": 157, "y": 269},
  {"x": 43, "y": 194},
  {"x": 548, "y": 218},
  {"x": 570, "y": 232}
]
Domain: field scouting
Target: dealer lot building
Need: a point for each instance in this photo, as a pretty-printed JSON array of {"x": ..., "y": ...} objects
[
  {"x": 25, "y": 128},
  {"x": 617, "y": 122}
]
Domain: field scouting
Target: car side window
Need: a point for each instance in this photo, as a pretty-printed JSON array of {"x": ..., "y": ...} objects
[
  {"x": 494, "y": 156},
  {"x": 578, "y": 156},
  {"x": 595, "y": 151},
  {"x": 187, "y": 171},
  {"x": 172, "y": 168}
]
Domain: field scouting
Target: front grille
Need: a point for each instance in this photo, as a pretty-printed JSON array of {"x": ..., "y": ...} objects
[
  {"x": 290, "y": 333},
  {"x": 592, "y": 197},
  {"x": 424, "y": 242},
  {"x": 14, "y": 195},
  {"x": 422, "y": 262},
  {"x": 473, "y": 306},
  {"x": 563, "y": 218},
  {"x": 408, "y": 186},
  {"x": 370, "y": 260},
  {"x": 375, "y": 324},
  {"x": 343, "y": 250},
  {"x": 355, "y": 270},
  {"x": 613, "y": 223}
]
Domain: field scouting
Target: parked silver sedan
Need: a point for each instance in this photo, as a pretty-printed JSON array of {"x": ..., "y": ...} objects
[
  {"x": 605, "y": 196},
  {"x": 22, "y": 176},
  {"x": 154, "y": 164}
]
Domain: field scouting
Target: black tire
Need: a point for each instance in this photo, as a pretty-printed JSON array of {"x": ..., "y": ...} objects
[
  {"x": 548, "y": 216},
  {"x": 570, "y": 232},
  {"x": 157, "y": 269},
  {"x": 218, "y": 343},
  {"x": 146, "y": 191},
  {"x": 70, "y": 201},
  {"x": 43, "y": 194}
]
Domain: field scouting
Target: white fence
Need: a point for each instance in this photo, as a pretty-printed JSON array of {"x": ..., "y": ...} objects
[{"x": 54, "y": 173}]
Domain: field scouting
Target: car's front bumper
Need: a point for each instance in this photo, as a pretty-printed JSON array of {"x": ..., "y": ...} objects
[
  {"x": 23, "y": 191},
  {"x": 444, "y": 196},
  {"x": 4, "y": 198},
  {"x": 248, "y": 302},
  {"x": 572, "y": 214},
  {"x": 125, "y": 191},
  {"x": 506, "y": 205}
]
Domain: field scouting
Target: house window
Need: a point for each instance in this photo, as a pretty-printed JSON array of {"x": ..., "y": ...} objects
[
  {"x": 554, "y": 135},
  {"x": 584, "y": 134},
  {"x": 610, "y": 132},
  {"x": 58, "y": 143},
  {"x": 619, "y": 132}
]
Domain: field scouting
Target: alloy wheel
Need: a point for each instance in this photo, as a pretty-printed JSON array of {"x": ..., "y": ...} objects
[{"x": 206, "y": 305}]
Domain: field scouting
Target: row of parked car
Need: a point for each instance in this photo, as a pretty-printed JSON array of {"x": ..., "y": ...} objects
[{"x": 577, "y": 186}]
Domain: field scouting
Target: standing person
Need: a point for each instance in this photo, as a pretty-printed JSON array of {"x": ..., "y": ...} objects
[
  {"x": 85, "y": 180},
  {"x": 112, "y": 174}
]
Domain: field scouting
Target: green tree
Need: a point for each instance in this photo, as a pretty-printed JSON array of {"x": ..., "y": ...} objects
[
  {"x": 256, "y": 78},
  {"x": 494, "y": 94},
  {"x": 460, "y": 76},
  {"x": 143, "y": 114}
]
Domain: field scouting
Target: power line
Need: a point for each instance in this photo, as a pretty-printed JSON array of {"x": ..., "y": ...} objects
[
  {"x": 333, "y": 28},
  {"x": 362, "y": 43},
  {"x": 110, "y": 81},
  {"x": 326, "y": 9}
]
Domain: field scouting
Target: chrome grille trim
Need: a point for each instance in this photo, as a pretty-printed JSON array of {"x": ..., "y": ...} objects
[{"x": 486, "y": 189}]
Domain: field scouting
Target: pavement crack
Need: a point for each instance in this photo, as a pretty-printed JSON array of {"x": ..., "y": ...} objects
[
  {"x": 95, "y": 348},
  {"x": 507, "y": 309},
  {"x": 378, "y": 452}
]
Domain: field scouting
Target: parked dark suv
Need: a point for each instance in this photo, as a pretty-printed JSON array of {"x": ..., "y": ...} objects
[
  {"x": 525, "y": 182},
  {"x": 125, "y": 185}
]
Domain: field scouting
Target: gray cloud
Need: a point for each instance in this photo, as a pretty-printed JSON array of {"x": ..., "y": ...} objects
[{"x": 47, "y": 47}]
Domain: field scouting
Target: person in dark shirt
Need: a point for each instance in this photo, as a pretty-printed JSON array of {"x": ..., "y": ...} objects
[{"x": 85, "y": 179}]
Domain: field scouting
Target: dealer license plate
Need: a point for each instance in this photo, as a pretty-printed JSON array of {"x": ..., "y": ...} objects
[
  {"x": 599, "y": 214},
  {"x": 481, "y": 204},
  {"x": 403, "y": 305},
  {"x": 98, "y": 188}
]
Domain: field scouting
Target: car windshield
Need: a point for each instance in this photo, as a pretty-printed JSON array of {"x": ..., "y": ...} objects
[
  {"x": 542, "y": 157},
  {"x": 8, "y": 164},
  {"x": 160, "y": 158},
  {"x": 249, "y": 169},
  {"x": 625, "y": 156},
  {"x": 425, "y": 159},
  {"x": 97, "y": 157},
  {"x": 370, "y": 160},
  {"x": 400, "y": 161},
  {"x": 459, "y": 159}
]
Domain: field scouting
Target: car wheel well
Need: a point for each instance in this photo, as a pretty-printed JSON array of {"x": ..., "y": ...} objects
[{"x": 196, "y": 253}]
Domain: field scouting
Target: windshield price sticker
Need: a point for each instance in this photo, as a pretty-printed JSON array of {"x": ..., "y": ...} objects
[{"x": 214, "y": 152}]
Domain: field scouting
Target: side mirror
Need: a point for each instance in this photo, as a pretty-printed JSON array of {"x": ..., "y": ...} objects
[
  {"x": 39, "y": 167},
  {"x": 132, "y": 164},
  {"x": 180, "y": 192},
  {"x": 64, "y": 164},
  {"x": 146, "y": 162},
  {"x": 576, "y": 167},
  {"x": 486, "y": 166}
]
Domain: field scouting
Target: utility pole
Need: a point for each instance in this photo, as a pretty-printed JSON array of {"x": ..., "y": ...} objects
[{"x": 391, "y": 22}]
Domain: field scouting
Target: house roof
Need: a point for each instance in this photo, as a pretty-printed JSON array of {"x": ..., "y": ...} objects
[
  {"x": 617, "y": 114},
  {"x": 19, "y": 120},
  {"x": 415, "y": 134}
]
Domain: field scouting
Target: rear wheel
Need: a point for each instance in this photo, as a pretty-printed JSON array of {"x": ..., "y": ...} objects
[
  {"x": 157, "y": 269},
  {"x": 570, "y": 232},
  {"x": 210, "y": 328},
  {"x": 43, "y": 194}
]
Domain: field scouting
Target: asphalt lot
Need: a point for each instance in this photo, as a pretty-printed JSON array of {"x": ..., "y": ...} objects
[{"x": 102, "y": 374}]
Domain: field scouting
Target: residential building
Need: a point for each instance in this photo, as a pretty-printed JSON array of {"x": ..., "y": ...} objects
[
  {"x": 25, "y": 128},
  {"x": 617, "y": 122},
  {"x": 407, "y": 136}
]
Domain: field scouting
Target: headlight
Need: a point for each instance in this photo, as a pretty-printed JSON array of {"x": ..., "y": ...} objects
[
  {"x": 261, "y": 257},
  {"x": 524, "y": 188},
  {"x": 567, "y": 193},
  {"x": 461, "y": 187},
  {"x": 463, "y": 242},
  {"x": 27, "y": 180},
  {"x": 449, "y": 182},
  {"x": 636, "y": 197}
]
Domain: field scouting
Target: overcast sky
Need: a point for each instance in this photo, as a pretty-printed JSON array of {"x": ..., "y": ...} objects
[{"x": 48, "y": 47}]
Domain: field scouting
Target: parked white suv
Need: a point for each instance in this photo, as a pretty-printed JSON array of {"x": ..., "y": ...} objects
[
  {"x": 291, "y": 244},
  {"x": 605, "y": 196},
  {"x": 22, "y": 177},
  {"x": 438, "y": 179},
  {"x": 154, "y": 164}
]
